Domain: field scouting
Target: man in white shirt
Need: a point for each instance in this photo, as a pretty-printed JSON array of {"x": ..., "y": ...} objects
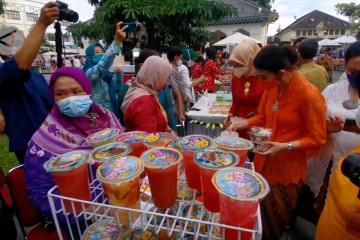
[{"x": 77, "y": 63}]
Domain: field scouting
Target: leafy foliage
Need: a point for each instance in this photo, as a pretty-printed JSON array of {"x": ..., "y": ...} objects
[
  {"x": 167, "y": 22},
  {"x": 264, "y": 3},
  {"x": 346, "y": 9},
  {"x": 2, "y": 5}
]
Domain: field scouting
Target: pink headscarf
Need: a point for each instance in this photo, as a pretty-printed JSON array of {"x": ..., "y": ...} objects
[{"x": 151, "y": 78}]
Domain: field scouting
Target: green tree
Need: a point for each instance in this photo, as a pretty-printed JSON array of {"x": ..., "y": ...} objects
[
  {"x": 167, "y": 22},
  {"x": 348, "y": 9},
  {"x": 2, "y": 5},
  {"x": 264, "y": 3}
]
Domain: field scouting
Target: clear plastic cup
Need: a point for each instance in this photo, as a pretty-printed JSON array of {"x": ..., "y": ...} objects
[
  {"x": 162, "y": 166},
  {"x": 189, "y": 145},
  {"x": 67, "y": 168},
  {"x": 258, "y": 136},
  {"x": 104, "y": 229},
  {"x": 211, "y": 160},
  {"x": 134, "y": 139},
  {"x": 240, "y": 191},
  {"x": 140, "y": 234},
  {"x": 110, "y": 151},
  {"x": 103, "y": 137},
  {"x": 121, "y": 181},
  {"x": 158, "y": 140},
  {"x": 240, "y": 146}
]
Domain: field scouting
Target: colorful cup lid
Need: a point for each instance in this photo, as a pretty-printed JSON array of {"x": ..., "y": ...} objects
[
  {"x": 120, "y": 169},
  {"x": 195, "y": 142},
  {"x": 172, "y": 211},
  {"x": 240, "y": 184},
  {"x": 161, "y": 157},
  {"x": 103, "y": 230},
  {"x": 67, "y": 161},
  {"x": 233, "y": 143},
  {"x": 139, "y": 234},
  {"x": 160, "y": 139},
  {"x": 131, "y": 137},
  {"x": 213, "y": 158},
  {"x": 102, "y": 135},
  {"x": 110, "y": 151}
]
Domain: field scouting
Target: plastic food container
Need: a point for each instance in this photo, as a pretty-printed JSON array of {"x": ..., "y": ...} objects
[
  {"x": 102, "y": 230},
  {"x": 121, "y": 181},
  {"x": 134, "y": 139},
  {"x": 66, "y": 169},
  {"x": 103, "y": 137},
  {"x": 157, "y": 140},
  {"x": 240, "y": 191},
  {"x": 110, "y": 151},
  {"x": 258, "y": 136},
  {"x": 240, "y": 146}
]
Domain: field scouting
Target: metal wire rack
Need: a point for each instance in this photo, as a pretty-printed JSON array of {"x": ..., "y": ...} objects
[{"x": 178, "y": 220}]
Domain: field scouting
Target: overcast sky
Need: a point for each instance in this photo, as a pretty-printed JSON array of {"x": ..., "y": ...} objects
[{"x": 287, "y": 9}]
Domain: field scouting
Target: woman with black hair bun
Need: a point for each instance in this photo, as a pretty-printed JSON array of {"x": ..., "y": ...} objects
[{"x": 295, "y": 112}]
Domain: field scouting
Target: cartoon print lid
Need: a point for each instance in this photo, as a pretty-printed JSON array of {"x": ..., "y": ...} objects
[
  {"x": 102, "y": 135},
  {"x": 161, "y": 157},
  {"x": 131, "y": 137},
  {"x": 233, "y": 143},
  {"x": 213, "y": 158},
  {"x": 197, "y": 210},
  {"x": 157, "y": 138},
  {"x": 110, "y": 151},
  {"x": 195, "y": 142},
  {"x": 67, "y": 161},
  {"x": 139, "y": 234},
  {"x": 103, "y": 230},
  {"x": 119, "y": 169},
  {"x": 241, "y": 184}
]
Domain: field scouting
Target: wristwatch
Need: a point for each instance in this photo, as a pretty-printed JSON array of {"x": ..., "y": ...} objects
[{"x": 289, "y": 148}]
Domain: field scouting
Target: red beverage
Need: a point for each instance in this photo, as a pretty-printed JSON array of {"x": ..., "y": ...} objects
[
  {"x": 110, "y": 151},
  {"x": 240, "y": 191},
  {"x": 239, "y": 146},
  {"x": 161, "y": 166},
  {"x": 210, "y": 161},
  {"x": 158, "y": 140},
  {"x": 134, "y": 139},
  {"x": 189, "y": 145},
  {"x": 66, "y": 169},
  {"x": 103, "y": 137}
]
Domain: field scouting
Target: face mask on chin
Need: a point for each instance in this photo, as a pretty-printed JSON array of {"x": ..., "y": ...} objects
[
  {"x": 75, "y": 106},
  {"x": 240, "y": 71}
]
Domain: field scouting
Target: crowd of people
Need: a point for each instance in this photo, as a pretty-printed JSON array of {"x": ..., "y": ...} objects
[{"x": 276, "y": 87}]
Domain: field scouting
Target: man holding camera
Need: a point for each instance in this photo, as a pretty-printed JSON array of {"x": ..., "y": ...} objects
[{"x": 24, "y": 97}]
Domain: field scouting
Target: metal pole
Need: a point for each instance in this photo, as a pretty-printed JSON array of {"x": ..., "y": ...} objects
[{"x": 58, "y": 43}]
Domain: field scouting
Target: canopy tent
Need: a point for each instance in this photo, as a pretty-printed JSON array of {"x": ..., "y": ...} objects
[
  {"x": 234, "y": 39},
  {"x": 345, "y": 39},
  {"x": 49, "y": 54},
  {"x": 328, "y": 42}
]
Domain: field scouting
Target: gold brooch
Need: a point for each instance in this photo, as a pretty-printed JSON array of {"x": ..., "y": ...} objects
[{"x": 246, "y": 90}]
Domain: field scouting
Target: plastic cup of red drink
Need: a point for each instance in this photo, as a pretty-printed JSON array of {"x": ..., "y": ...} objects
[
  {"x": 104, "y": 229},
  {"x": 189, "y": 145},
  {"x": 157, "y": 140},
  {"x": 134, "y": 139},
  {"x": 240, "y": 146},
  {"x": 162, "y": 166},
  {"x": 103, "y": 137},
  {"x": 121, "y": 181},
  {"x": 69, "y": 168},
  {"x": 240, "y": 191},
  {"x": 211, "y": 160}
]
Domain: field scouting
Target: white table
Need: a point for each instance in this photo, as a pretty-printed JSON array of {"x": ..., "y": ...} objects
[{"x": 204, "y": 103}]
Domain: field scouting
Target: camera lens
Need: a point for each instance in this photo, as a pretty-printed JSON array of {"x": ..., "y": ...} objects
[{"x": 69, "y": 15}]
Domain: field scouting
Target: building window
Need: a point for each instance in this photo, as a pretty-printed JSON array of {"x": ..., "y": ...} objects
[
  {"x": 298, "y": 33},
  {"x": 65, "y": 23},
  {"x": 310, "y": 33},
  {"x": 342, "y": 32},
  {"x": 331, "y": 32},
  {"x": 337, "y": 32},
  {"x": 326, "y": 32},
  {"x": 15, "y": 15},
  {"x": 51, "y": 36},
  {"x": 31, "y": 17},
  {"x": 303, "y": 33}
]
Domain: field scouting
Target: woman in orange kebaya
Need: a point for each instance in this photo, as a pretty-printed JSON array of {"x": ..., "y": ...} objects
[
  {"x": 247, "y": 88},
  {"x": 295, "y": 112}
]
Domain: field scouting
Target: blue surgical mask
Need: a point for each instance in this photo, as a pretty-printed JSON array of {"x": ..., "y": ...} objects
[
  {"x": 75, "y": 106},
  {"x": 354, "y": 80},
  {"x": 96, "y": 59}
]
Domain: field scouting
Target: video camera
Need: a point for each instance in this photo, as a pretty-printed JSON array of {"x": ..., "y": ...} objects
[
  {"x": 351, "y": 169},
  {"x": 66, "y": 13}
]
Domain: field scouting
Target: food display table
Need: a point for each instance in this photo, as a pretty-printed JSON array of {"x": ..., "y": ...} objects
[{"x": 203, "y": 122}]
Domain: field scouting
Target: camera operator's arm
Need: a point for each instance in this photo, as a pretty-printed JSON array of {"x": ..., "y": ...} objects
[{"x": 26, "y": 55}]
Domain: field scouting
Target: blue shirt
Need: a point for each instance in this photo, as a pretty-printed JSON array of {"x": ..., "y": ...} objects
[{"x": 25, "y": 102}]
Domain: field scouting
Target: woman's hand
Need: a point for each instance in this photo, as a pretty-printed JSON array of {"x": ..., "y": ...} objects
[
  {"x": 117, "y": 69},
  {"x": 120, "y": 33},
  {"x": 49, "y": 13},
  {"x": 274, "y": 149},
  {"x": 227, "y": 121},
  {"x": 182, "y": 118},
  {"x": 334, "y": 124},
  {"x": 240, "y": 125}
]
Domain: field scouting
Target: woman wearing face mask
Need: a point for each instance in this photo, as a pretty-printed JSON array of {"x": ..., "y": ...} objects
[
  {"x": 141, "y": 107},
  {"x": 295, "y": 112},
  {"x": 247, "y": 88},
  {"x": 97, "y": 65},
  {"x": 71, "y": 120}
]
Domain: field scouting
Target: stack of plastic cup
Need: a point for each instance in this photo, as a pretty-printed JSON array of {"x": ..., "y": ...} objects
[
  {"x": 103, "y": 137},
  {"x": 156, "y": 140},
  {"x": 240, "y": 191},
  {"x": 69, "y": 168},
  {"x": 209, "y": 161},
  {"x": 240, "y": 146},
  {"x": 162, "y": 166},
  {"x": 189, "y": 145},
  {"x": 121, "y": 182},
  {"x": 104, "y": 229},
  {"x": 134, "y": 139}
]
